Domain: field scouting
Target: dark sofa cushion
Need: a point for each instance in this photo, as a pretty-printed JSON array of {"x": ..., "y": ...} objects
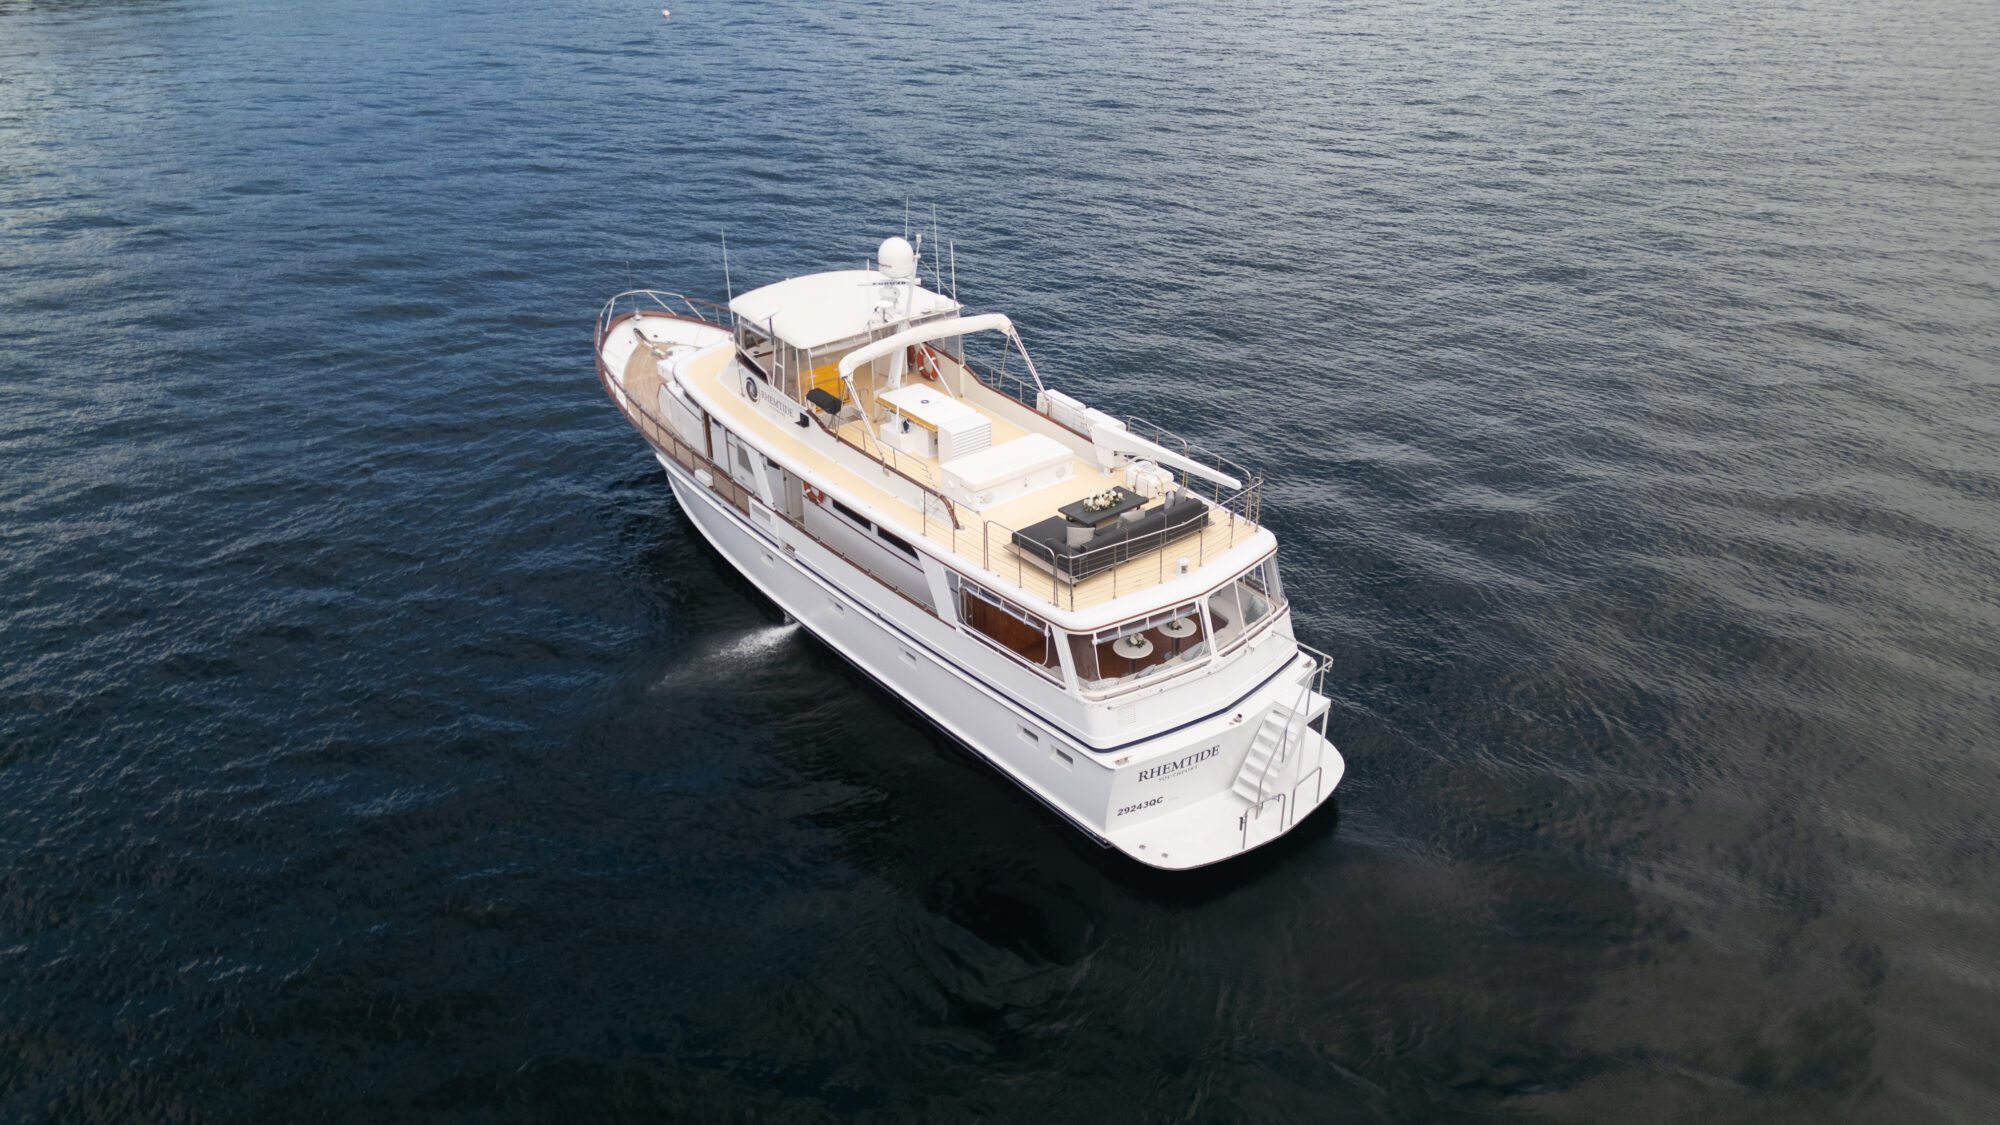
[
  {"x": 1156, "y": 527},
  {"x": 1045, "y": 540}
]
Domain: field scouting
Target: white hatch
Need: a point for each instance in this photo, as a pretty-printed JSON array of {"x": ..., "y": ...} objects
[{"x": 1007, "y": 470}]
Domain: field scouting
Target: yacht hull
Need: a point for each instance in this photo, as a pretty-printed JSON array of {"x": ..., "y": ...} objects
[{"x": 1165, "y": 801}]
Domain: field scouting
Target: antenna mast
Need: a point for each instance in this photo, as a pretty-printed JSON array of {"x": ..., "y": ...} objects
[
  {"x": 727, "y": 286},
  {"x": 937, "y": 267}
]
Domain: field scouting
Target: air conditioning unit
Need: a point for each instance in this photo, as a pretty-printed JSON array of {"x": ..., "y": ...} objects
[{"x": 963, "y": 436}]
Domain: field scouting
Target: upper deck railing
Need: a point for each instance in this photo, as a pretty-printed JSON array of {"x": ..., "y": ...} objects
[
  {"x": 1109, "y": 572},
  {"x": 636, "y": 300},
  {"x": 773, "y": 399},
  {"x": 1245, "y": 501},
  {"x": 1133, "y": 564}
]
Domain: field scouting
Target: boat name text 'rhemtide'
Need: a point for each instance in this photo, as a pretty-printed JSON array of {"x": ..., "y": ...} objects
[{"x": 1179, "y": 764}]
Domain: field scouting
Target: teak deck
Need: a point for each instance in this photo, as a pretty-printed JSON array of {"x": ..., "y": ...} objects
[{"x": 983, "y": 539}]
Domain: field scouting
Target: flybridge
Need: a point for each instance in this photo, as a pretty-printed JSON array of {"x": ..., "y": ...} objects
[{"x": 977, "y": 460}]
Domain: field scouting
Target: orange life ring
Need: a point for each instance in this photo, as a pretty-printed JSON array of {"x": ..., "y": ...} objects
[
  {"x": 927, "y": 364},
  {"x": 814, "y": 494}
]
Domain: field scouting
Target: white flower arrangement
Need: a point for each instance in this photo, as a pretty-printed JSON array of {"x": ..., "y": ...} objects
[{"x": 1102, "y": 502}]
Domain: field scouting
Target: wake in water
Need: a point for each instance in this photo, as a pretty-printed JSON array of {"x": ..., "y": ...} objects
[{"x": 728, "y": 654}]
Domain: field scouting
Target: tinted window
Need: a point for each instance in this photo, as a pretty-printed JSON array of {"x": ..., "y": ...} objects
[
  {"x": 897, "y": 542},
  {"x": 850, "y": 513}
]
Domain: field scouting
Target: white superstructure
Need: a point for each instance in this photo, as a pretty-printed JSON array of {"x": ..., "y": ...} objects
[{"x": 1089, "y": 604}]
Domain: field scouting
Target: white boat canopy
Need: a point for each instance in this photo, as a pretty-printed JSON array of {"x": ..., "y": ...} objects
[
  {"x": 821, "y": 309},
  {"x": 936, "y": 330}
]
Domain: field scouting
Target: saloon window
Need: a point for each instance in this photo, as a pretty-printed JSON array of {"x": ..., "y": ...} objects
[
  {"x": 1007, "y": 627},
  {"x": 1135, "y": 650}
]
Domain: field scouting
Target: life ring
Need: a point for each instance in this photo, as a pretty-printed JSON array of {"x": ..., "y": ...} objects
[
  {"x": 927, "y": 364},
  {"x": 750, "y": 387},
  {"x": 814, "y": 494}
]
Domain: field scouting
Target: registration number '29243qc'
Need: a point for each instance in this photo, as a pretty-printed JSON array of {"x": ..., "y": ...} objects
[{"x": 1146, "y": 804}]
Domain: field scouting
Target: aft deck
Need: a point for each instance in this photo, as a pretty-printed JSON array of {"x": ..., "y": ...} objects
[{"x": 981, "y": 539}]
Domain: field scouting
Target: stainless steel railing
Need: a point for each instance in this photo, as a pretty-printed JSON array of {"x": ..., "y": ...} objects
[
  {"x": 1314, "y": 684},
  {"x": 635, "y": 300}
]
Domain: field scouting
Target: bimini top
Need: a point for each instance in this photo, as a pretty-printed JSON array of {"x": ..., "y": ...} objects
[
  {"x": 938, "y": 330},
  {"x": 828, "y": 308}
]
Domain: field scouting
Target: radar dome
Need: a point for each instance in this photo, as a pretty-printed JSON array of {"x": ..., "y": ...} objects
[{"x": 897, "y": 259}]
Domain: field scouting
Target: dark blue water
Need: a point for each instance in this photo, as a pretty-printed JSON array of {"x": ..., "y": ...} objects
[{"x": 378, "y": 741}]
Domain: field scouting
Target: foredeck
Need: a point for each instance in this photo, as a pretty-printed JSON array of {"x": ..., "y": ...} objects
[{"x": 981, "y": 539}]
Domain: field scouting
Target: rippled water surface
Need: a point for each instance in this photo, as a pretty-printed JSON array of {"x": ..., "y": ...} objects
[{"x": 378, "y": 740}]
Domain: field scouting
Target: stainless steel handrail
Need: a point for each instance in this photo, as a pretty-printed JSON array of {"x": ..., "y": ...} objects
[
  {"x": 662, "y": 438},
  {"x": 1245, "y": 501},
  {"x": 1313, "y": 680},
  {"x": 1240, "y": 507},
  {"x": 695, "y": 305},
  {"x": 1253, "y": 481},
  {"x": 1050, "y": 580},
  {"x": 661, "y": 298}
]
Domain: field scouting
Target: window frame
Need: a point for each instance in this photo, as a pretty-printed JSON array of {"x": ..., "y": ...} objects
[
  {"x": 1271, "y": 591},
  {"x": 850, "y": 515},
  {"x": 899, "y": 544},
  {"x": 1089, "y": 643},
  {"x": 963, "y": 587}
]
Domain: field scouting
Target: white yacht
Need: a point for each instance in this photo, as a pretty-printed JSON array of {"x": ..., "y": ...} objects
[{"x": 1088, "y": 603}]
